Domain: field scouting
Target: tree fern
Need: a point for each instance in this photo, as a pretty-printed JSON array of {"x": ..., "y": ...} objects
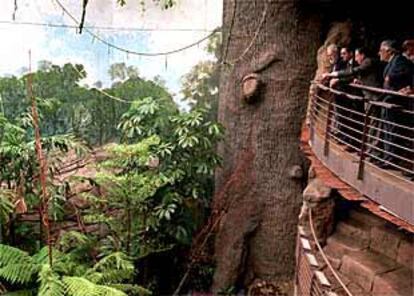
[
  {"x": 78, "y": 286},
  {"x": 109, "y": 291},
  {"x": 50, "y": 283},
  {"x": 114, "y": 268},
  {"x": 10, "y": 255},
  {"x": 6, "y": 206},
  {"x": 132, "y": 289},
  {"x": 116, "y": 260},
  {"x": 19, "y": 273}
]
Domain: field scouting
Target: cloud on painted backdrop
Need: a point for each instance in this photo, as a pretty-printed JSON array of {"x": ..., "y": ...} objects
[{"x": 52, "y": 44}]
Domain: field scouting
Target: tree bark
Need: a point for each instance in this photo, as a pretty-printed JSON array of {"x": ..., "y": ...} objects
[{"x": 277, "y": 41}]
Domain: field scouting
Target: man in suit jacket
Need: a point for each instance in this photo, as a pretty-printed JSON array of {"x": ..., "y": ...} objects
[
  {"x": 408, "y": 47},
  {"x": 347, "y": 112},
  {"x": 398, "y": 74},
  {"x": 367, "y": 72}
]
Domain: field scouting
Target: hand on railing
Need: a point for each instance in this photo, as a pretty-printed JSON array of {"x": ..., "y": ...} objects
[
  {"x": 333, "y": 82},
  {"x": 333, "y": 74},
  {"x": 407, "y": 90}
]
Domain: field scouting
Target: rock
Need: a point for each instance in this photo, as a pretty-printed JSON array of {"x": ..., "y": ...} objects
[
  {"x": 354, "y": 231},
  {"x": 338, "y": 246},
  {"x": 316, "y": 191},
  {"x": 397, "y": 283},
  {"x": 317, "y": 197},
  {"x": 311, "y": 173},
  {"x": 405, "y": 255},
  {"x": 385, "y": 240},
  {"x": 362, "y": 267}
]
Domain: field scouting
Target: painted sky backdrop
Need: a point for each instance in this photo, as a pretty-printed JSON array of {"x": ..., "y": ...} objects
[{"x": 188, "y": 21}]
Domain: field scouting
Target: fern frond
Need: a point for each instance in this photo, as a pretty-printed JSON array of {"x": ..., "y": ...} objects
[
  {"x": 134, "y": 290},
  {"x": 6, "y": 206},
  {"x": 41, "y": 256},
  {"x": 50, "y": 283},
  {"x": 10, "y": 255},
  {"x": 109, "y": 291},
  {"x": 73, "y": 238},
  {"x": 77, "y": 286},
  {"x": 110, "y": 276},
  {"x": 116, "y": 260},
  {"x": 114, "y": 268},
  {"x": 19, "y": 273}
]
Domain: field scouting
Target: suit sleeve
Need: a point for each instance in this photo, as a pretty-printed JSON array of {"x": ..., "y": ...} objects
[
  {"x": 355, "y": 71},
  {"x": 400, "y": 70}
]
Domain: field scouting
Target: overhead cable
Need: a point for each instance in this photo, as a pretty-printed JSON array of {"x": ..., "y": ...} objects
[
  {"x": 130, "y": 51},
  {"x": 103, "y": 28}
]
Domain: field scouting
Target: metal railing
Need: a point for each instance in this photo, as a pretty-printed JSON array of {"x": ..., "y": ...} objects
[{"x": 378, "y": 131}]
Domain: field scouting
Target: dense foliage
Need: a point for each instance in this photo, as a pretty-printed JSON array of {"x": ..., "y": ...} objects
[
  {"x": 200, "y": 85},
  {"x": 72, "y": 108},
  {"x": 147, "y": 197}
]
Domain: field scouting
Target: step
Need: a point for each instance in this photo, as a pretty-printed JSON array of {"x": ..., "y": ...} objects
[
  {"x": 397, "y": 283},
  {"x": 355, "y": 230},
  {"x": 363, "y": 217},
  {"x": 386, "y": 240},
  {"x": 339, "y": 245},
  {"x": 405, "y": 254},
  {"x": 335, "y": 262},
  {"x": 363, "y": 266}
]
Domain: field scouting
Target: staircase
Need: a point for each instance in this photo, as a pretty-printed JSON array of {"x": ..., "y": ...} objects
[{"x": 371, "y": 256}]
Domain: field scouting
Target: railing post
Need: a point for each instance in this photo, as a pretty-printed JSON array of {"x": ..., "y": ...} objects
[
  {"x": 328, "y": 125},
  {"x": 365, "y": 131}
]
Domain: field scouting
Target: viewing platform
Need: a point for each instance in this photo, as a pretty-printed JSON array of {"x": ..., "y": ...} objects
[
  {"x": 354, "y": 151},
  {"x": 361, "y": 243}
]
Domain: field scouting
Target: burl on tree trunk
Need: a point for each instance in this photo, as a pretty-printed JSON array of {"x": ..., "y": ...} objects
[{"x": 263, "y": 97}]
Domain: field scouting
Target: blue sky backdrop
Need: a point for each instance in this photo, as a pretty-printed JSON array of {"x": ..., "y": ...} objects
[{"x": 189, "y": 21}]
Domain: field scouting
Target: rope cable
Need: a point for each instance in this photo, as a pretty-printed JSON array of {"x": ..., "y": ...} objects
[
  {"x": 324, "y": 256},
  {"x": 129, "y": 51},
  {"x": 83, "y": 76}
]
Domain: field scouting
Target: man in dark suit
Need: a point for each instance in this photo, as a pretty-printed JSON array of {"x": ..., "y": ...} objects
[
  {"x": 346, "y": 110},
  {"x": 398, "y": 74},
  {"x": 367, "y": 72},
  {"x": 408, "y": 47}
]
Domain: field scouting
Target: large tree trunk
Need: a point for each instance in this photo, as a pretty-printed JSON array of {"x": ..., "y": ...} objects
[{"x": 259, "y": 187}]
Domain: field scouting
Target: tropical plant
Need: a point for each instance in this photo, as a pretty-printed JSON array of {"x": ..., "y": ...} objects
[
  {"x": 199, "y": 87},
  {"x": 68, "y": 276}
]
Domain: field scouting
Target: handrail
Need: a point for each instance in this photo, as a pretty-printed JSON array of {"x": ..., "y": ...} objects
[
  {"x": 337, "y": 92},
  {"x": 384, "y": 142},
  {"x": 380, "y": 90}
]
